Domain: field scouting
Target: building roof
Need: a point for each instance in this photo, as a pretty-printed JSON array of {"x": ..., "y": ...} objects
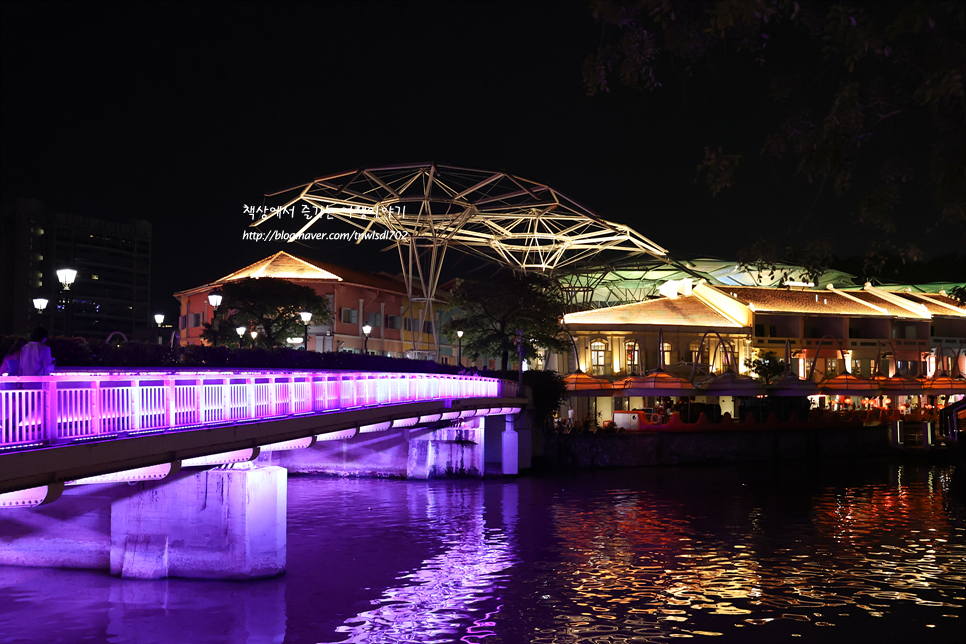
[
  {"x": 809, "y": 302},
  {"x": 918, "y": 309},
  {"x": 935, "y": 303},
  {"x": 283, "y": 265},
  {"x": 681, "y": 311}
]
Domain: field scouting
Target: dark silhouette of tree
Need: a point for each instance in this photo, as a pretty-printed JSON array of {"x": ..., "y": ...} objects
[
  {"x": 492, "y": 312},
  {"x": 267, "y": 305},
  {"x": 865, "y": 100}
]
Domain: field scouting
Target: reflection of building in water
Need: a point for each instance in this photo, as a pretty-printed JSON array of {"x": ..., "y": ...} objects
[
  {"x": 439, "y": 599},
  {"x": 634, "y": 562}
]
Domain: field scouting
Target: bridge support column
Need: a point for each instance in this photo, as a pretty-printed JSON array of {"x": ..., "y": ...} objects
[
  {"x": 511, "y": 447},
  {"x": 216, "y": 524},
  {"x": 456, "y": 451},
  {"x": 220, "y": 524}
]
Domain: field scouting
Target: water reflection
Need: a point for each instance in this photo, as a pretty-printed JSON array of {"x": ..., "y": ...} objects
[
  {"x": 642, "y": 563},
  {"x": 49, "y": 605},
  {"x": 736, "y": 553},
  {"x": 437, "y": 602}
]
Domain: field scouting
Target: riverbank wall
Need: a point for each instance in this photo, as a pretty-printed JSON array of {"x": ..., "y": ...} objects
[{"x": 711, "y": 446}]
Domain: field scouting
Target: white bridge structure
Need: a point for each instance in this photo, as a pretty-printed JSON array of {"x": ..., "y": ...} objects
[{"x": 206, "y": 455}]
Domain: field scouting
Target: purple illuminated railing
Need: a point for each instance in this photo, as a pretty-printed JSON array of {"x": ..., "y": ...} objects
[{"x": 77, "y": 406}]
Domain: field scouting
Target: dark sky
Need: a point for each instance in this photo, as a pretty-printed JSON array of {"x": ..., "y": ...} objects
[{"x": 183, "y": 113}]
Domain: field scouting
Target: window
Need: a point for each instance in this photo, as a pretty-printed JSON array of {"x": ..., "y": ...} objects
[
  {"x": 349, "y": 316},
  {"x": 632, "y": 356},
  {"x": 195, "y": 319},
  {"x": 374, "y": 320},
  {"x": 599, "y": 358},
  {"x": 428, "y": 326},
  {"x": 409, "y": 324},
  {"x": 666, "y": 353},
  {"x": 183, "y": 322},
  {"x": 393, "y": 322}
]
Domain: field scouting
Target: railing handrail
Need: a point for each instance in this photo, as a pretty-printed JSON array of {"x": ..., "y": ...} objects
[{"x": 68, "y": 406}]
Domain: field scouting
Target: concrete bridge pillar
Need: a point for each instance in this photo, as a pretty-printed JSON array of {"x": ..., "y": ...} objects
[
  {"x": 218, "y": 524},
  {"x": 454, "y": 451},
  {"x": 511, "y": 447}
]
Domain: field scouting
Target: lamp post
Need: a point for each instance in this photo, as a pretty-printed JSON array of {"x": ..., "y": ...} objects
[
  {"x": 459, "y": 334},
  {"x": 40, "y": 304},
  {"x": 254, "y": 335},
  {"x": 240, "y": 330},
  {"x": 66, "y": 277},
  {"x": 366, "y": 329},
  {"x": 159, "y": 319},
  {"x": 214, "y": 299},
  {"x": 306, "y": 318}
]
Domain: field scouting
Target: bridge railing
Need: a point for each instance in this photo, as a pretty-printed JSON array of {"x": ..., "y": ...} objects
[{"x": 86, "y": 406}]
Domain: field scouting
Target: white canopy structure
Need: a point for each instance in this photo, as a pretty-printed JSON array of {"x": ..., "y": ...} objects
[{"x": 515, "y": 222}]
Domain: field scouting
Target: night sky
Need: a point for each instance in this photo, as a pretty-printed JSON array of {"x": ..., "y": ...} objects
[{"x": 183, "y": 113}]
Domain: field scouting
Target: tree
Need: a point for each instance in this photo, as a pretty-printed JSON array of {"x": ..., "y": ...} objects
[
  {"x": 864, "y": 102},
  {"x": 267, "y": 305},
  {"x": 492, "y": 313},
  {"x": 766, "y": 366}
]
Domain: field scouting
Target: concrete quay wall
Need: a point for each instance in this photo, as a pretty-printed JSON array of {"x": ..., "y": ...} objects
[{"x": 635, "y": 449}]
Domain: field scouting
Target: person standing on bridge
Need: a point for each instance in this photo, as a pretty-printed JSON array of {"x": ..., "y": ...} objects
[
  {"x": 11, "y": 361},
  {"x": 35, "y": 357}
]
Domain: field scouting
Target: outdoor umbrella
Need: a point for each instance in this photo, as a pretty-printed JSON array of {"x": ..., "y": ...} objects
[
  {"x": 845, "y": 384},
  {"x": 730, "y": 383},
  {"x": 942, "y": 383}
]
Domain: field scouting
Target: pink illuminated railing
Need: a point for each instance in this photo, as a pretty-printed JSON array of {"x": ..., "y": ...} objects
[{"x": 77, "y": 406}]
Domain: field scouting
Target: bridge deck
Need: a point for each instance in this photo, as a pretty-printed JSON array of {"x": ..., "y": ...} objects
[{"x": 69, "y": 426}]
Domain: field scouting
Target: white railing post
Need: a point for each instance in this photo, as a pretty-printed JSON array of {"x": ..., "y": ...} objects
[
  {"x": 95, "y": 407},
  {"x": 135, "y": 398},
  {"x": 250, "y": 396},
  {"x": 272, "y": 397},
  {"x": 169, "y": 393},
  {"x": 50, "y": 413},
  {"x": 226, "y": 398},
  {"x": 199, "y": 387}
]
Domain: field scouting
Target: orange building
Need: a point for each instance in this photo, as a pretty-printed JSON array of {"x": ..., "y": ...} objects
[{"x": 356, "y": 299}]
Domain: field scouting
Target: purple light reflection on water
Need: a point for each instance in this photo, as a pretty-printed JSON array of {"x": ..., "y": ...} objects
[{"x": 846, "y": 553}]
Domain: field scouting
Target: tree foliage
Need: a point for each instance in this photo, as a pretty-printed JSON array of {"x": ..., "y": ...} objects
[
  {"x": 492, "y": 312},
  {"x": 866, "y": 99},
  {"x": 267, "y": 305},
  {"x": 766, "y": 366}
]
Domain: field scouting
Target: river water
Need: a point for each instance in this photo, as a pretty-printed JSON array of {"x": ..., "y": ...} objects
[{"x": 874, "y": 552}]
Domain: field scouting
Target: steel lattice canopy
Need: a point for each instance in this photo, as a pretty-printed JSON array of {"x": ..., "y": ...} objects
[{"x": 500, "y": 217}]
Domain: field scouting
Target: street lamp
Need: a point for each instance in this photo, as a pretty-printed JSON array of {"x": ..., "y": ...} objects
[
  {"x": 240, "y": 330},
  {"x": 214, "y": 299},
  {"x": 159, "y": 318},
  {"x": 66, "y": 276},
  {"x": 366, "y": 329},
  {"x": 459, "y": 334},
  {"x": 306, "y": 318},
  {"x": 254, "y": 335}
]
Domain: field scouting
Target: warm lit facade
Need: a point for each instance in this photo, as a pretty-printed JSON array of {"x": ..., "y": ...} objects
[
  {"x": 356, "y": 299},
  {"x": 906, "y": 331}
]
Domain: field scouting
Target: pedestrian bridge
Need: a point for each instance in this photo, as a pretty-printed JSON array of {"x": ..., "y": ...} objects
[{"x": 93, "y": 427}]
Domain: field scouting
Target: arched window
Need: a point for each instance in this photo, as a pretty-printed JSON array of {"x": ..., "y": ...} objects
[
  {"x": 632, "y": 357},
  {"x": 599, "y": 358}
]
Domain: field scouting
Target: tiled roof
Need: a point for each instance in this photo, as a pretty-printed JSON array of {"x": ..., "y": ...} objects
[
  {"x": 936, "y": 303},
  {"x": 282, "y": 265},
  {"x": 891, "y": 308},
  {"x": 682, "y": 311},
  {"x": 815, "y": 302}
]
